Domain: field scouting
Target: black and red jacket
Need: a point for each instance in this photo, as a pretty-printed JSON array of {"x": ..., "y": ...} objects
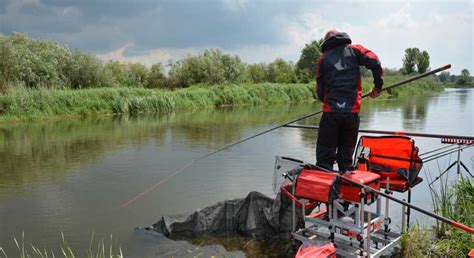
[{"x": 337, "y": 74}]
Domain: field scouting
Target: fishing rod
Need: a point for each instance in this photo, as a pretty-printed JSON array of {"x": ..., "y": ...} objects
[
  {"x": 454, "y": 138},
  {"x": 437, "y": 150},
  {"x": 413, "y": 78},
  {"x": 430, "y": 158}
]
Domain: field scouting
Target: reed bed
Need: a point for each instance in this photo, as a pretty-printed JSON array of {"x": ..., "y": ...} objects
[{"x": 21, "y": 103}]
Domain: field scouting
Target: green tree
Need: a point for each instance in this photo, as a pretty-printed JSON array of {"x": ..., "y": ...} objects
[
  {"x": 464, "y": 78},
  {"x": 234, "y": 69},
  {"x": 409, "y": 60},
  {"x": 211, "y": 67},
  {"x": 422, "y": 61},
  {"x": 118, "y": 71},
  {"x": 444, "y": 77},
  {"x": 8, "y": 61},
  {"x": 306, "y": 65},
  {"x": 86, "y": 71},
  {"x": 452, "y": 78},
  {"x": 281, "y": 71},
  {"x": 256, "y": 72},
  {"x": 156, "y": 77},
  {"x": 33, "y": 62},
  {"x": 137, "y": 75}
]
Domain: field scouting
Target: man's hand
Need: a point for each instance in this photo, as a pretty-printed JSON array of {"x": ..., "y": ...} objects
[{"x": 375, "y": 93}]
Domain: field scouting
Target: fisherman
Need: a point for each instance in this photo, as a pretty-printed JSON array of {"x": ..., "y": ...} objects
[{"x": 339, "y": 87}]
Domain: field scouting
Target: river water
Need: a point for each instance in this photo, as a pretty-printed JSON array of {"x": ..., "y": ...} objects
[{"x": 72, "y": 177}]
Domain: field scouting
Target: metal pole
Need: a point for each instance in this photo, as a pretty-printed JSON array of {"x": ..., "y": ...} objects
[
  {"x": 369, "y": 231},
  {"x": 408, "y": 209},
  {"x": 459, "y": 159},
  {"x": 362, "y": 221},
  {"x": 293, "y": 213},
  {"x": 386, "y": 219},
  {"x": 403, "y": 218}
]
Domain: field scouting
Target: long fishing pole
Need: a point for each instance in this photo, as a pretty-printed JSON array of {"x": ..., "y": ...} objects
[
  {"x": 428, "y": 159},
  {"x": 413, "y": 78},
  {"x": 460, "y": 139},
  {"x": 437, "y": 150}
]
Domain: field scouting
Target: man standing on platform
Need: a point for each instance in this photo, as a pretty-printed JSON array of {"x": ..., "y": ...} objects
[{"x": 339, "y": 87}]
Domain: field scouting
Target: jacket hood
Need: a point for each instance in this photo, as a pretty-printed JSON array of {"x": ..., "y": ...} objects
[{"x": 335, "y": 40}]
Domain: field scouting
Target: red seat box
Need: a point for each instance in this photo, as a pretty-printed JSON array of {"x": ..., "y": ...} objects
[
  {"x": 317, "y": 185},
  {"x": 350, "y": 192}
]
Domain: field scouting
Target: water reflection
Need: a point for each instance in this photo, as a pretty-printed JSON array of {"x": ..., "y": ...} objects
[
  {"x": 46, "y": 150},
  {"x": 71, "y": 176}
]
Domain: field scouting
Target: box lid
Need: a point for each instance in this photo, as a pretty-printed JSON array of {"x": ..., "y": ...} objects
[{"x": 363, "y": 177}]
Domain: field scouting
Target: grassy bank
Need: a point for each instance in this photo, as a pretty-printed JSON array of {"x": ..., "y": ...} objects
[
  {"x": 456, "y": 202},
  {"x": 454, "y": 85},
  {"x": 20, "y": 103},
  {"x": 26, "y": 104}
]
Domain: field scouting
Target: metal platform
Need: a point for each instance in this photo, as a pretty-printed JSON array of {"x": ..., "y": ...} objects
[{"x": 354, "y": 231}]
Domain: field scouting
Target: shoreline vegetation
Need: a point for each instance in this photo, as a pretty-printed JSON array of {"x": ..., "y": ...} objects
[
  {"x": 41, "y": 79},
  {"x": 454, "y": 201},
  {"x": 24, "y": 104}
]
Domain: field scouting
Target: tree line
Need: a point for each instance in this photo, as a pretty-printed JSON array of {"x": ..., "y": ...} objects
[
  {"x": 43, "y": 63},
  {"x": 463, "y": 79}
]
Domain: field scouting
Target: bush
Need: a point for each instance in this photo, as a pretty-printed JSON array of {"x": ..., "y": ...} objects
[
  {"x": 156, "y": 77},
  {"x": 33, "y": 62}
]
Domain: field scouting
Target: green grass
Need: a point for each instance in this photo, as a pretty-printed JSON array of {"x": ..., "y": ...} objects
[
  {"x": 97, "y": 249},
  {"x": 19, "y": 103},
  {"x": 455, "y": 202},
  {"x": 417, "y": 242},
  {"x": 23, "y": 104}
]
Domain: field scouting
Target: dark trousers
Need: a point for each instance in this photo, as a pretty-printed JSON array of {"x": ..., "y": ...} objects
[{"x": 337, "y": 138}]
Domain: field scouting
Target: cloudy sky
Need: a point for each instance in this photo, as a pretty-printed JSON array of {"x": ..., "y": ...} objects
[{"x": 157, "y": 31}]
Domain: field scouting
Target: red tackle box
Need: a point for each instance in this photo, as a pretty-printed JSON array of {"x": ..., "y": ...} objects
[{"x": 350, "y": 192}]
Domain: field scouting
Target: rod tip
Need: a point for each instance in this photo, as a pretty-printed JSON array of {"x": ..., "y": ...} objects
[{"x": 447, "y": 66}]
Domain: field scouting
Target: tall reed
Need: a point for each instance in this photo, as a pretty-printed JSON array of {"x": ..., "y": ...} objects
[{"x": 97, "y": 249}]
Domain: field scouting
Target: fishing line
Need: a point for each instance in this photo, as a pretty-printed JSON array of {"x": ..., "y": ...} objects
[{"x": 272, "y": 129}]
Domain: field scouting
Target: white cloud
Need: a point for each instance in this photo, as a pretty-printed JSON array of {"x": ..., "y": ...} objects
[
  {"x": 153, "y": 56},
  {"x": 446, "y": 34}
]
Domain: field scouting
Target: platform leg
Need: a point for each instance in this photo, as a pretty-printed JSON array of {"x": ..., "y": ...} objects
[
  {"x": 404, "y": 218},
  {"x": 408, "y": 209},
  {"x": 369, "y": 232}
]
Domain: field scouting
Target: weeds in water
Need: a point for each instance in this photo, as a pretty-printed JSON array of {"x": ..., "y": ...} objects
[{"x": 96, "y": 250}]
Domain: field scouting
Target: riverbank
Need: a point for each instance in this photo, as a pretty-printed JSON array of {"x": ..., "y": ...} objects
[
  {"x": 454, "y": 201},
  {"x": 19, "y": 104}
]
